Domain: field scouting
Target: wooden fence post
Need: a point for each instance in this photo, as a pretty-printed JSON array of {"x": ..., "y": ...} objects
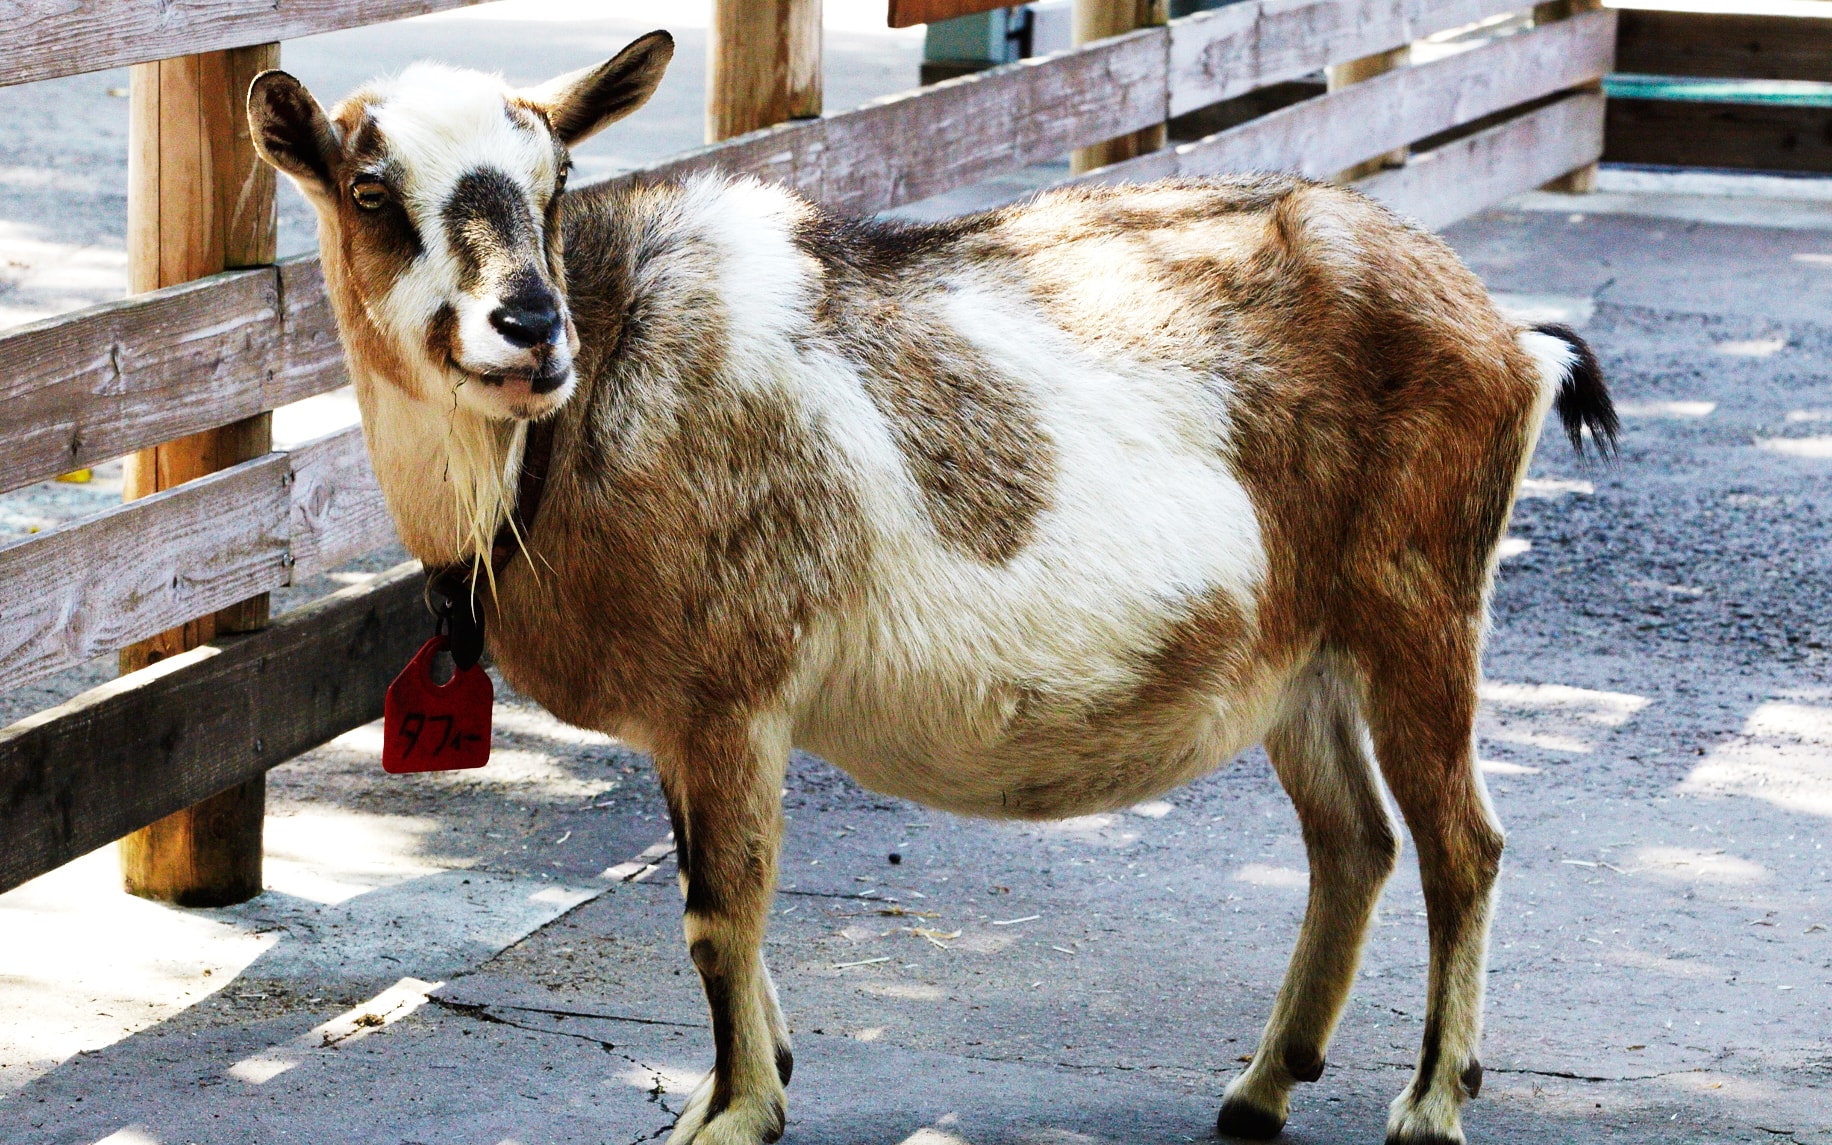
[
  {"x": 763, "y": 65},
  {"x": 199, "y": 201},
  {"x": 1097, "y": 20},
  {"x": 1584, "y": 179}
]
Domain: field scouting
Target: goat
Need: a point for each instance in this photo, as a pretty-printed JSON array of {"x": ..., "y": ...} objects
[{"x": 1032, "y": 513}]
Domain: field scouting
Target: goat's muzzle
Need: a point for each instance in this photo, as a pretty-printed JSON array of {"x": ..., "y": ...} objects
[{"x": 554, "y": 373}]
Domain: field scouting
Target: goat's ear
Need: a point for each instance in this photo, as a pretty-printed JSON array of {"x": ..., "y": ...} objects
[
  {"x": 580, "y": 104},
  {"x": 291, "y": 131}
]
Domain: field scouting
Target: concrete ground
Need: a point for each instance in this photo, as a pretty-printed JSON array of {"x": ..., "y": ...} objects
[{"x": 495, "y": 956}]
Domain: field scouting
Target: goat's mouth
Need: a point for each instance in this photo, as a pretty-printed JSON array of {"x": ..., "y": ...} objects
[
  {"x": 536, "y": 382},
  {"x": 550, "y": 376},
  {"x": 520, "y": 394}
]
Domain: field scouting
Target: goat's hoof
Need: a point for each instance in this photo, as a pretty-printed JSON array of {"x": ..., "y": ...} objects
[
  {"x": 1414, "y": 1127},
  {"x": 752, "y": 1119},
  {"x": 1240, "y": 1118}
]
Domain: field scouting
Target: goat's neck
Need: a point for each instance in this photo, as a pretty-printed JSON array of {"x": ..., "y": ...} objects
[{"x": 448, "y": 475}]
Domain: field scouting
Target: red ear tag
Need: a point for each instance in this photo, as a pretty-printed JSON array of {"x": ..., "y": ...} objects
[{"x": 436, "y": 727}]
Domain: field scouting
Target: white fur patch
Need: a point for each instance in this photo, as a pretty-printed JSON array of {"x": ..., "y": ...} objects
[
  {"x": 1554, "y": 356},
  {"x": 923, "y": 686},
  {"x": 765, "y": 281}
]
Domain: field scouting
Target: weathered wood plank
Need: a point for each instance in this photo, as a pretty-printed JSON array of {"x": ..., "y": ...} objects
[
  {"x": 1723, "y": 45},
  {"x": 1324, "y": 135},
  {"x": 74, "y": 777},
  {"x": 1743, "y": 136},
  {"x": 910, "y": 146},
  {"x": 93, "y": 385},
  {"x": 310, "y": 359},
  {"x": 97, "y": 585},
  {"x": 43, "y": 39},
  {"x": 763, "y": 65},
  {"x": 1439, "y": 187},
  {"x": 1229, "y": 51},
  {"x": 1092, "y": 21},
  {"x": 337, "y": 509},
  {"x": 90, "y": 386}
]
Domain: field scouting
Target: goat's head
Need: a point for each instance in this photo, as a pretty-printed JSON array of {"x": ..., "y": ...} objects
[{"x": 438, "y": 197}]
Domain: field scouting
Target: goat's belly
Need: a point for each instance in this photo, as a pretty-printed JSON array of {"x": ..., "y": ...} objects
[{"x": 1013, "y": 751}]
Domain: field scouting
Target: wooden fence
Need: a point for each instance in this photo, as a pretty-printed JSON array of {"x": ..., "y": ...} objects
[
  {"x": 1519, "y": 108},
  {"x": 1671, "y": 106}
]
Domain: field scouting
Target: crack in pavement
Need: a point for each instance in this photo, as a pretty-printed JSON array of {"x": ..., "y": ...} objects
[
  {"x": 867, "y": 895},
  {"x": 1087, "y": 1065},
  {"x": 468, "y": 1007},
  {"x": 1566, "y": 1075},
  {"x": 657, "y": 1095},
  {"x": 1570, "y": 1076}
]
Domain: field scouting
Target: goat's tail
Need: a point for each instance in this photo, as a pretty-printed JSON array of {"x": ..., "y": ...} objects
[{"x": 1581, "y": 397}]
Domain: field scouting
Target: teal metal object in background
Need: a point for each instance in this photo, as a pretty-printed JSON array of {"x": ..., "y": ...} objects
[
  {"x": 1782, "y": 93},
  {"x": 1004, "y": 35}
]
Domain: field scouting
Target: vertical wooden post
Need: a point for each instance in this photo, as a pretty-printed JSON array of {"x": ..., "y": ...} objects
[
  {"x": 1339, "y": 76},
  {"x": 1097, "y": 20},
  {"x": 763, "y": 65},
  {"x": 199, "y": 201},
  {"x": 1584, "y": 179}
]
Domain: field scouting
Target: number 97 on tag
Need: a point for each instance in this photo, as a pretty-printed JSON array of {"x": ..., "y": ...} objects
[{"x": 428, "y": 726}]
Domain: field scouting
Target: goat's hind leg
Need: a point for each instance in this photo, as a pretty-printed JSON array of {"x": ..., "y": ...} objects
[
  {"x": 1317, "y": 748},
  {"x": 723, "y": 795},
  {"x": 1421, "y": 709}
]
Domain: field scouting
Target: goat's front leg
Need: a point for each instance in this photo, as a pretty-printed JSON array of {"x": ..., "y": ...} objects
[{"x": 723, "y": 785}]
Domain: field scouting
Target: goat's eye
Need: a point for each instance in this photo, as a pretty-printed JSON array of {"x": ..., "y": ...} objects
[{"x": 368, "y": 194}]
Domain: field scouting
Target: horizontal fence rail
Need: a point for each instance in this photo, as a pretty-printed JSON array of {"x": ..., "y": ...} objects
[
  {"x": 1230, "y": 51},
  {"x": 910, "y": 146},
  {"x": 1726, "y": 45},
  {"x": 99, "y": 584},
  {"x": 1723, "y": 89},
  {"x": 1476, "y": 171},
  {"x": 921, "y": 143},
  {"x": 125, "y": 376},
  {"x": 90, "y": 386},
  {"x": 1331, "y": 132},
  {"x": 44, "y": 39},
  {"x": 81, "y": 775}
]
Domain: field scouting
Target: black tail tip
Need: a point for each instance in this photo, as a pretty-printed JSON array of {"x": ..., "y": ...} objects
[{"x": 1583, "y": 398}]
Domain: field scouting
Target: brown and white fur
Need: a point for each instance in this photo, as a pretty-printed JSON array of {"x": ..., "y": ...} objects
[{"x": 1031, "y": 514}]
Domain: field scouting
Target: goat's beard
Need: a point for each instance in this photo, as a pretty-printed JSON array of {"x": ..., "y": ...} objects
[{"x": 483, "y": 455}]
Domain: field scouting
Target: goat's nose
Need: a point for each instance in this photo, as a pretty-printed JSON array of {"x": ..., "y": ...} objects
[{"x": 526, "y": 326}]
